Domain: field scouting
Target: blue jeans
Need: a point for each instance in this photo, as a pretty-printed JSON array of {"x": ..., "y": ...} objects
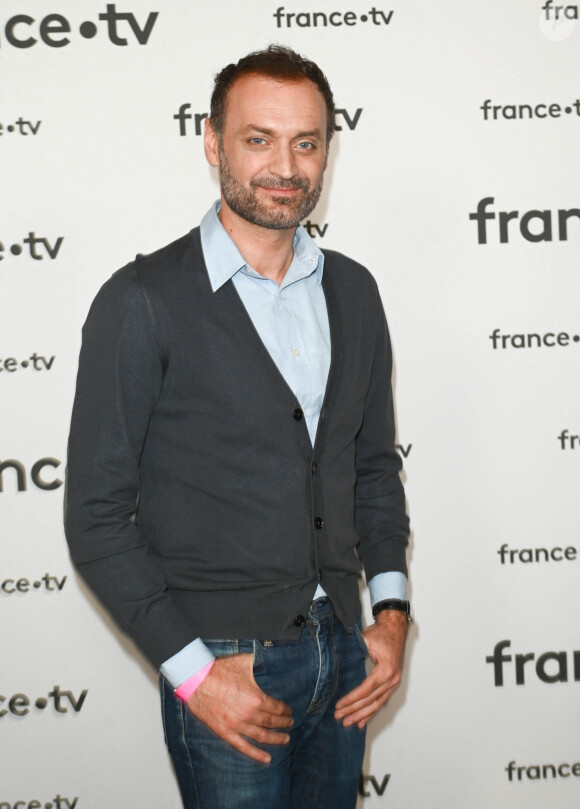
[{"x": 319, "y": 768}]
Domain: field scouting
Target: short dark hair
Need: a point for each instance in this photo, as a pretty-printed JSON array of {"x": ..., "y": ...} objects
[{"x": 276, "y": 62}]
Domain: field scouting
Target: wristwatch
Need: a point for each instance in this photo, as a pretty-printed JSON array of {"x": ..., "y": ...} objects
[{"x": 396, "y": 604}]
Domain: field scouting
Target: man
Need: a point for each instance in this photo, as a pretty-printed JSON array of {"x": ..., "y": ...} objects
[{"x": 232, "y": 457}]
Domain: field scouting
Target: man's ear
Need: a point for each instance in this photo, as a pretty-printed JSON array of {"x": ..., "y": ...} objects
[{"x": 210, "y": 143}]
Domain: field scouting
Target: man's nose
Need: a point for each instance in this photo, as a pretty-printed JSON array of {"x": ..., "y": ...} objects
[{"x": 283, "y": 162}]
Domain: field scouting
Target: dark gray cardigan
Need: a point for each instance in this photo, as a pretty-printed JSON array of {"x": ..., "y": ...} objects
[{"x": 195, "y": 502}]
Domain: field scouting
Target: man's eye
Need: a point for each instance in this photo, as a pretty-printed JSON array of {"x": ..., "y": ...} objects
[
  {"x": 257, "y": 141},
  {"x": 306, "y": 146}
]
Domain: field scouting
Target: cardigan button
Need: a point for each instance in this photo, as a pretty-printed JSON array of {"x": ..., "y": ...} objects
[
  {"x": 298, "y": 414},
  {"x": 300, "y": 620},
  {"x": 318, "y": 522}
]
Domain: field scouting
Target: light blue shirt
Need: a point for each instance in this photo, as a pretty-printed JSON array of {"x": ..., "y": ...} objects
[
  {"x": 291, "y": 319},
  {"x": 292, "y": 322}
]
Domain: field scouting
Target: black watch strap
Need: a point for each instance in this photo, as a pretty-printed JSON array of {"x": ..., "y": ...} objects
[{"x": 396, "y": 604}]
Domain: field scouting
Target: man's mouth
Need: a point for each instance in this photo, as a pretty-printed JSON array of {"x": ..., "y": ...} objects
[{"x": 276, "y": 191}]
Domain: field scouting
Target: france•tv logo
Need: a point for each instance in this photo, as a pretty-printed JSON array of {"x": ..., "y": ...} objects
[{"x": 23, "y": 31}]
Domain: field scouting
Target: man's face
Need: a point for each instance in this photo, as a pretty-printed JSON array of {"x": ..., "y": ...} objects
[{"x": 273, "y": 152}]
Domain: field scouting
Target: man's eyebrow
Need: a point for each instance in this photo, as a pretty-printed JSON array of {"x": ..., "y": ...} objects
[{"x": 313, "y": 133}]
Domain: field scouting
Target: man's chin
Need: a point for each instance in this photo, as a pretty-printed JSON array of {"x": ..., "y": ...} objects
[
  {"x": 272, "y": 212},
  {"x": 276, "y": 223},
  {"x": 280, "y": 216}
]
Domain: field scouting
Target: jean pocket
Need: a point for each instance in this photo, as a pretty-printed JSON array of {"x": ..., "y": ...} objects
[
  {"x": 360, "y": 638},
  {"x": 255, "y": 649}
]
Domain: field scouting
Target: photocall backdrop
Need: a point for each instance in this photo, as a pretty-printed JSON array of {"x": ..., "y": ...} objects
[{"x": 454, "y": 178}]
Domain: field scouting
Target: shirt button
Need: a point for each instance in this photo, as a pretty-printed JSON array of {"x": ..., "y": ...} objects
[
  {"x": 296, "y": 352},
  {"x": 314, "y": 468},
  {"x": 318, "y": 522},
  {"x": 298, "y": 414},
  {"x": 300, "y": 620}
]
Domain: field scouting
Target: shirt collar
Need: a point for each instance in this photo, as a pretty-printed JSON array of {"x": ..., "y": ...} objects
[{"x": 223, "y": 259}]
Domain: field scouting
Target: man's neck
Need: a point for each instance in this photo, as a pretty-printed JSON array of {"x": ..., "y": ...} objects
[{"x": 266, "y": 250}]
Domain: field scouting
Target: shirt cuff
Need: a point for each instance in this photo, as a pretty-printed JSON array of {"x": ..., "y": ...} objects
[
  {"x": 388, "y": 585},
  {"x": 187, "y": 662}
]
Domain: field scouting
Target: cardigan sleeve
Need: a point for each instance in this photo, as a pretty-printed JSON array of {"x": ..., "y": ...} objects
[
  {"x": 381, "y": 520},
  {"x": 119, "y": 381}
]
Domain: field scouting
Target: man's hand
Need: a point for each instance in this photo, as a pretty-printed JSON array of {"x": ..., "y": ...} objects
[
  {"x": 230, "y": 702},
  {"x": 386, "y": 644}
]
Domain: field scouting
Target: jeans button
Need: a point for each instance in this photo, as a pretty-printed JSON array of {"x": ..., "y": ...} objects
[{"x": 300, "y": 620}]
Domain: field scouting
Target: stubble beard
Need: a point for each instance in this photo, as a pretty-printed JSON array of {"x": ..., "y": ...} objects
[{"x": 283, "y": 212}]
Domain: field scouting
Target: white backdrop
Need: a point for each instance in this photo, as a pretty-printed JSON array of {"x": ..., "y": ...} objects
[{"x": 95, "y": 169}]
